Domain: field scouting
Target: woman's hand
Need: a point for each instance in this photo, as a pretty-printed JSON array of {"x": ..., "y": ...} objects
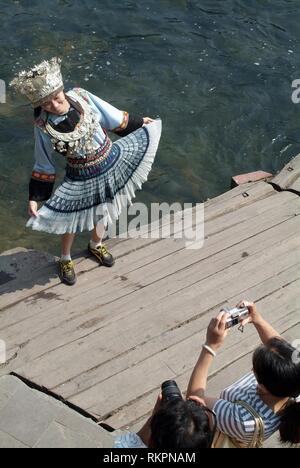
[
  {"x": 199, "y": 401},
  {"x": 32, "y": 208},
  {"x": 215, "y": 336},
  {"x": 147, "y": 120},
  {"x": 254, "y": 315},
  {"x": 217, "y": 332},
  {"x": 265, "y": 330},
  {"x": 145, "y": 432}
]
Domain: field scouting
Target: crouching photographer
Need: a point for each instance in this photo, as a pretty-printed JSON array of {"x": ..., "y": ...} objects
[
  {"x": 175, "y": 424},
  {"x": 262, "y": 401}
]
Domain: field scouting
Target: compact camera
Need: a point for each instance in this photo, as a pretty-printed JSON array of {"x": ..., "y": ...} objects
[
  {"x": 170, "y": 391},
  {"x": 237, "y": 315}
]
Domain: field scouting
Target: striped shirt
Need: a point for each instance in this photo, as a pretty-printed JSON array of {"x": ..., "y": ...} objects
[{"x": 234, "y": 420}]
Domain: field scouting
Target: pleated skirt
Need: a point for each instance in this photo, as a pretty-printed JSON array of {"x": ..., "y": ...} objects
[{"x": 98, "y": 193}]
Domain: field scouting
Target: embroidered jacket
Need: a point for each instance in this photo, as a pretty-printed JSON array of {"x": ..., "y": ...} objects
[{"x": 110, "y": 118}]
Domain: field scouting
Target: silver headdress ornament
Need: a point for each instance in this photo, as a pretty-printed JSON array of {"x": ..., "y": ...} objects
[{"x": 41, "y": 82}]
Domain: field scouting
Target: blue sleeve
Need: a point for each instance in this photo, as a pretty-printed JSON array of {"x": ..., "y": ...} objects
[
  {"x": 43, "y": 175},
  {"x": 43, "y": 153},
  {"x": 110, "y": 117}
]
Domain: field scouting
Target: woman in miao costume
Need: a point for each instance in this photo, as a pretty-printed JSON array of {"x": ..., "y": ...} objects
[{"x": 101, "y": 177}]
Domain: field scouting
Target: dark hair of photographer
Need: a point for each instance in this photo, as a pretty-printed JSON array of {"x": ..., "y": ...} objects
[
  {"x": 276, "y": 370},
  {"x": 180, "y": 425}
]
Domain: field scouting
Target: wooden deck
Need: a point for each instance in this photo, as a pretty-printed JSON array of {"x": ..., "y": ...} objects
[{"x": 108, "y": 343}]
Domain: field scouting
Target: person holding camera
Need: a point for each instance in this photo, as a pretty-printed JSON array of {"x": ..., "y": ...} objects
[
  {"x": 175, "y": 424},
  {"x": 262, "y": 401}
]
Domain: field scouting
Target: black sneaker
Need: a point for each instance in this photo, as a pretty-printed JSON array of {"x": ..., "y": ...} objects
[
  {"x": 66, "y": 272},
  {"x": 103, "y": 256}
]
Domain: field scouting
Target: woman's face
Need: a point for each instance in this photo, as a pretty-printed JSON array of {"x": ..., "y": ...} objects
[{"x": 58, "y": 104}]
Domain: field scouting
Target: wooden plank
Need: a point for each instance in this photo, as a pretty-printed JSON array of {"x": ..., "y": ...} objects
[
  {"x": 288, "y": 175},
  {"x": 257, "y": 190},
  {"x": 225, "y": 203},
  {"x": 39, "y": 282},
  {"x": 221, "y": 261},
  {"x": 237, "y": 198},
  {"x": 294, "y": 220},
  {"x": 136, "y": 328},
  {"x": 170, "y": 337},
  {"x": 295, "y": 186},
  {"x": 56, "y": 294},
  {"x": 224, "y": 241},
  {"x": 55, "y": 300},
  {"x": 248, "y": 212},
  {"x": 53, "y": 337},
  {"x": 46, "y": 278},
  {"x": 247, "y": 177},
  {"x": 118, "y": 327},
  {"x": 16, "y": 264}
]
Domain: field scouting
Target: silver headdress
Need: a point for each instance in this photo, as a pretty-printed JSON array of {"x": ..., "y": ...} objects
[{"x": 41, "y": 82}]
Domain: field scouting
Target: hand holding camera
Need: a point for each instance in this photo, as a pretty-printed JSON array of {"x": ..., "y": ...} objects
[
  {"x": 245, "y": 312},
  {"x": 217, "y": 331},
  {"x": 237, "y": 316},
  {"x": 254, "y": 316}
]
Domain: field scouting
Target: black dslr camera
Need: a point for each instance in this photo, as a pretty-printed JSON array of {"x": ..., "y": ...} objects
[{"x": 170, "y": 391}]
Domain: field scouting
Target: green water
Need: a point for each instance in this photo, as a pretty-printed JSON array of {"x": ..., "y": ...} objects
[{"x": 218, "y": 73}]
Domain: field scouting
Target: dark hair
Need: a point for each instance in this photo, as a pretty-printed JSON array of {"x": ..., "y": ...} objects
[
  {"x": 180, "y": 425},
  {"x": 37, "y": 112},
  {"x": 277, "y": 366}
]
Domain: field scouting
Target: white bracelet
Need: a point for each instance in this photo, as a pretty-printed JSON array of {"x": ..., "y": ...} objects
[{"x": 211, "y": 351}]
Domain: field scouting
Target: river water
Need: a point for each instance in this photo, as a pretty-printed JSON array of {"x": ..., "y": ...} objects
[{"x": 218, "y": 73}]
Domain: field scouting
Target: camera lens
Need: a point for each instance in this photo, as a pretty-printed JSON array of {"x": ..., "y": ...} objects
[{"x": 170, "y": 391}]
